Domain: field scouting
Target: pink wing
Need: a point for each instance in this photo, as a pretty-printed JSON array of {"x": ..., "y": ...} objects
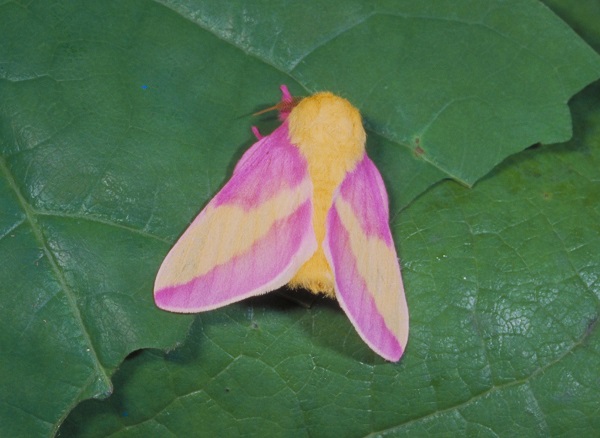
[
  {"x": 360, "y": 250},
  {"x": 251, "y": 238}
]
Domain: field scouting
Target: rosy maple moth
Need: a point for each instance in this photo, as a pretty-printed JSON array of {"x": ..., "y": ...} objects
[{"x": 305, "y": 207}]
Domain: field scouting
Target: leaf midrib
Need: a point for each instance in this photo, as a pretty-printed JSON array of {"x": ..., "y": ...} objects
[{"x": 30, "y": 218}]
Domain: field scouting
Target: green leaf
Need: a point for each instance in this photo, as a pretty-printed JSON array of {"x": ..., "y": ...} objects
[
  {"x": 503, "y": 287},
  {"x": 119, "y": 120},
  {"x": 464, "y": 83}
]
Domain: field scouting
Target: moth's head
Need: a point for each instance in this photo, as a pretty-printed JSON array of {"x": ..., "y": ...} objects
[{"x": 325, "y": 118}]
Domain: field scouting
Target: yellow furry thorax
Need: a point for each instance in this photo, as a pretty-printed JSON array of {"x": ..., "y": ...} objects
[{"x": 328, "y": 131}]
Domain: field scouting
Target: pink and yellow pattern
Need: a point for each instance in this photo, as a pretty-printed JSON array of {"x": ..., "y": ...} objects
[
  {"x": 361, "y": 253},
  {"x": 306, "y": 207}
]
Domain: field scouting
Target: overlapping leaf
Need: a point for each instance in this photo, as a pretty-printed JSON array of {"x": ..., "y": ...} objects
[{"x": 503, "y": 291}]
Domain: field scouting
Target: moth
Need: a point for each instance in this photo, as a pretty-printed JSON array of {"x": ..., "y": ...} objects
[{"x": 307, "y": 208}]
